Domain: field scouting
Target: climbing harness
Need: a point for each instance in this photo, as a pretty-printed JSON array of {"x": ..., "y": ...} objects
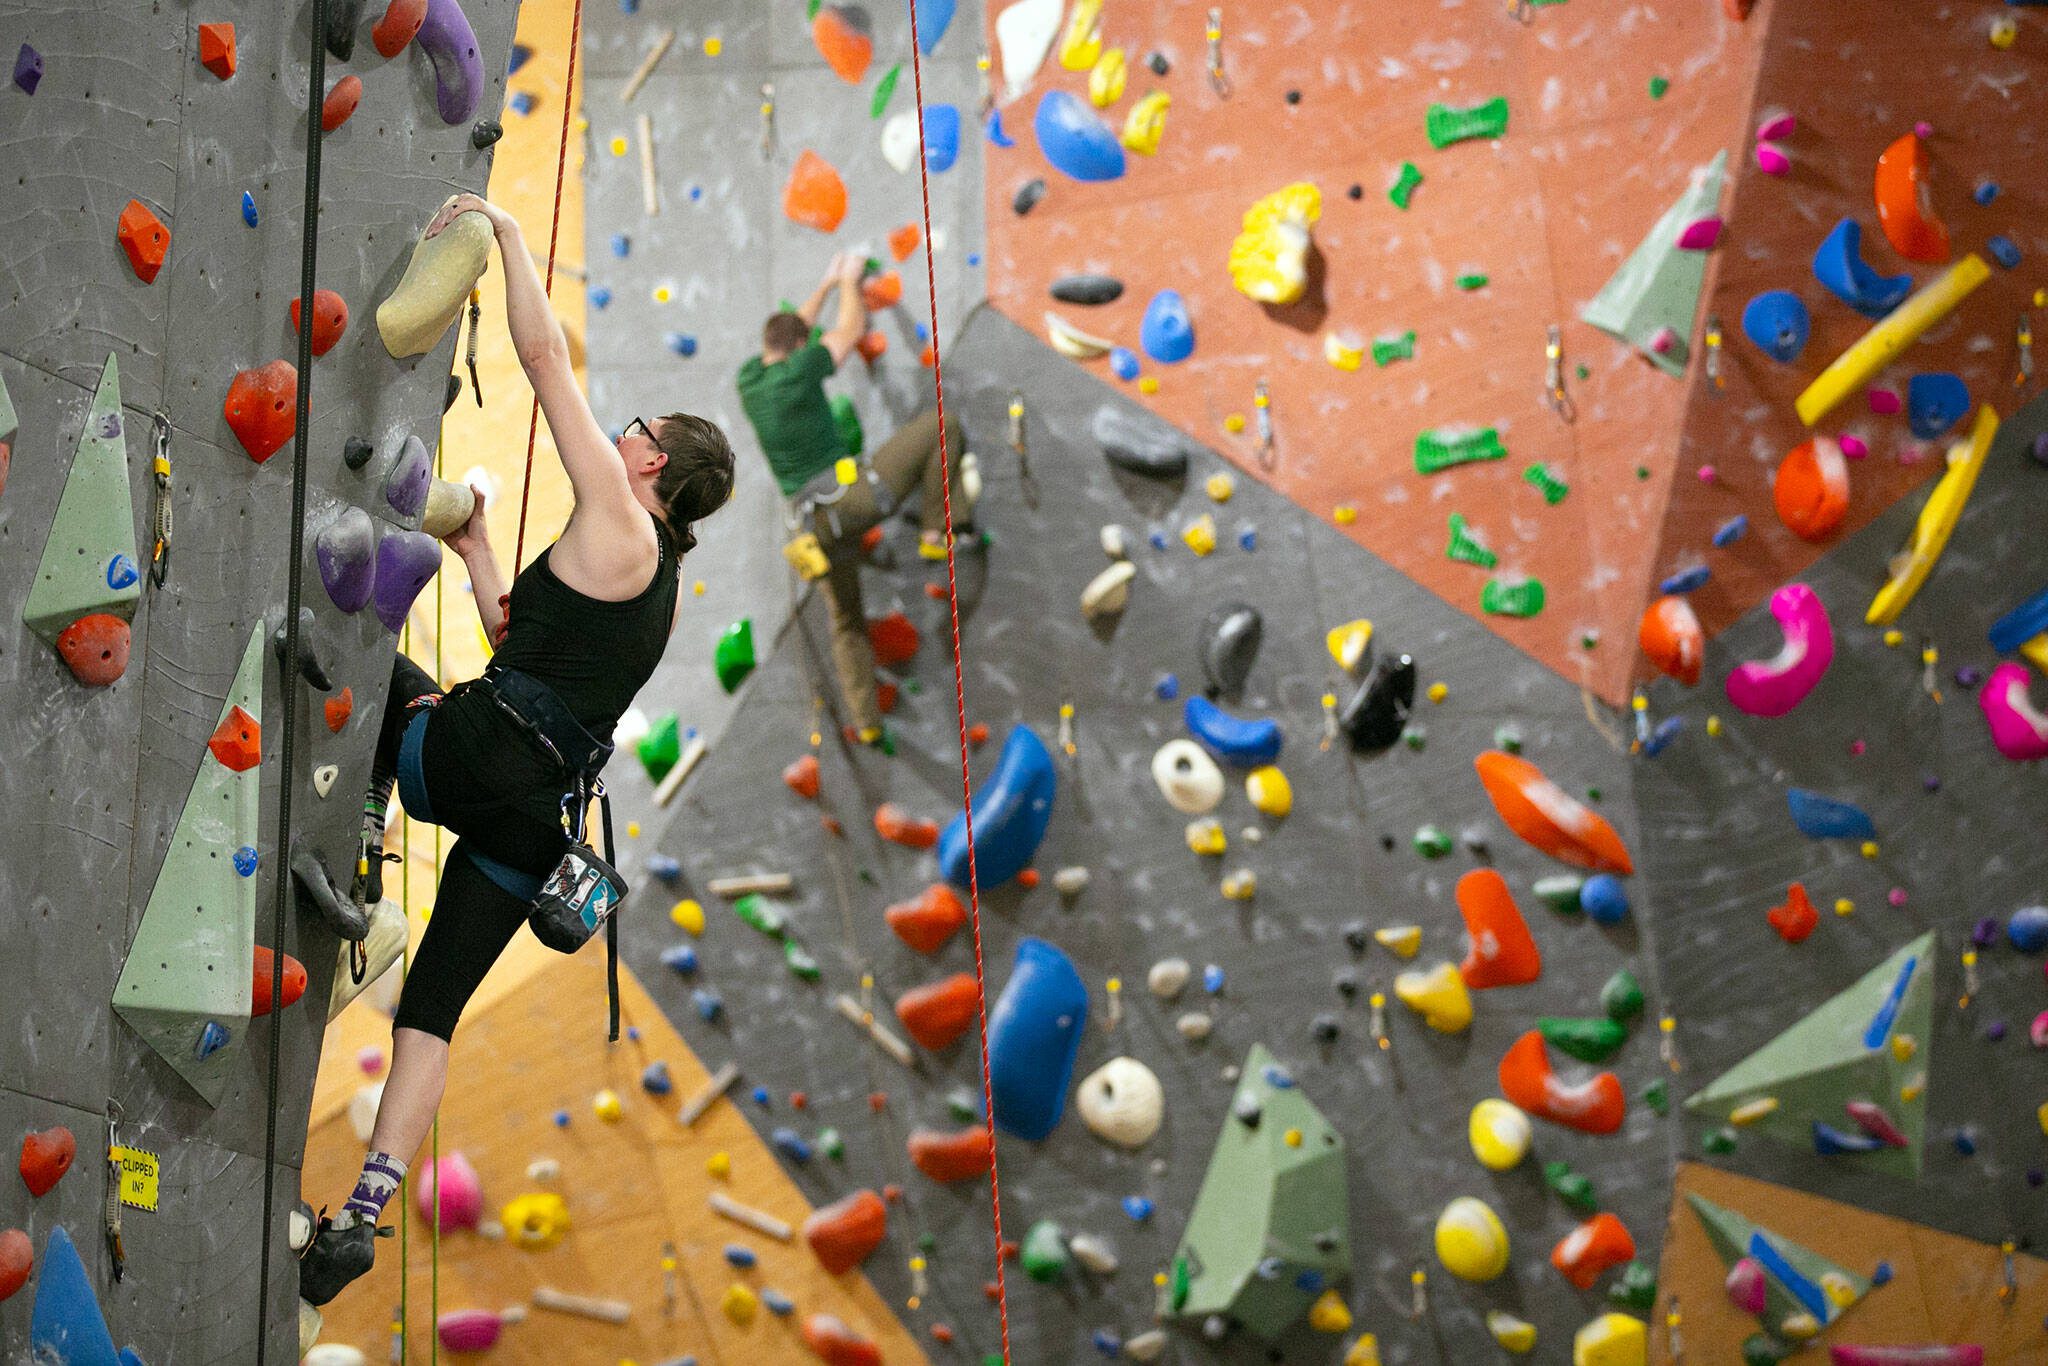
[{"x": 160, "y": 511}]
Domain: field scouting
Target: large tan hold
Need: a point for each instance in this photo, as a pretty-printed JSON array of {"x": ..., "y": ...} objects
[
  {"x": 437, "y": 282},
  {"x": 448, "y": 507},
  {"x": 383, "y": 944}
]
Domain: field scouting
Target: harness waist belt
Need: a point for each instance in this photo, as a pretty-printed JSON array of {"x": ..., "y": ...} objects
[{"x": 540, "y": 711}]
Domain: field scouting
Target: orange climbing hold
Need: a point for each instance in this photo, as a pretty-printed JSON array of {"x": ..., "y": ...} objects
[
  {"x": 1796, "y": 919},
  {"x": 17, "y": 1259},
  {"x": 95, "y": 648},
  {"x": 1526, "y": 1079},
  {"x": 339, "y": 708},
  {"x": 330, "y": 320},
  {"x": 401, "y": 21},
  {"x": 894, "y": 639},
  {"x": 294, "y": 981},
  {"x": 145, "y": 238},
  {"x": 885, "y": 697},
  {"x": 45, "y": 1157},
  {"x": 1503, "y": 953},
  {"x": 832, "y": 1342},
  {"x": 843, "y": 40},
  {"x": 898, "y": 826},
  {"x": 341, "y": 102},
  {"x": 217, "y": 49},
  {"x": 1546, "y": 816},
  {"x": 1599, "y": 1244},
  {"x": 238, "y": 740},
  {"x": 872, "y": 347},
  {"x": 951, "y": 1157},
  {"x": 843, "y": 1233},
  {"x": 1737, "y": 10},
  {"x": 940, "y": 1012},
  {"x": 905, "y": 240},
  {"x": 928, "y": 922},
  {"x": 262, "y": 408},
  {"x": 1905, "y": 202},
  {"x": 882, "y": 291},
  {"x": 815, "y": 196},
  {"x": 802, "y": 777},
  {"x": 1812, "y": 489},
  {"x": 1672, "y": 639}
]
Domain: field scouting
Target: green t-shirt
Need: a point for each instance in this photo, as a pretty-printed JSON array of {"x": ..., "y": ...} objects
[{"x": 791, "y": 416}]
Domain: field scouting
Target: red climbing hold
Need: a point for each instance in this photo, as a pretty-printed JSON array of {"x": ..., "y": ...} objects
[
  {"x": 872, "y": 346},
  {"x": 977, "y": 735},
  {"x": 1526, "y": 1078},
  {"x": 905, "y": 240},
  {"x": 96, "y": 648},
  {"x": 259, "y": 994},
  {"x": 341, "y": 101},
  {"x": 871, "y": 538},
  {"x": 802, "y": 777},
  {"x": 1672, "y": 640},
  {"x": 1737, "y": 10},
  {"x": 951, "y": 1157},
  {"x": 145, "y": 238},
  {"x": 1548, "y": 817},
  {"x": 898, "y": 826},
  {"x": 885, "y": 697},
  {"x": 330, "y": 320},
  {"x": 1600, "y": 1243},
  {"x": 893, "y": 638},
  {"x": 1796, "y": 919},
  {"x": 843, "y": 1233},
  {"x": 815, "y": 196},
  {"x": 832, "y": 1342},
  {"x": 402, "y": 20},
  {"x": 1503, "y": 953},
  {"x": 844, "y": 41},
  {"x": 928, "y": 922},
  {"x": 339, "y": 708},
  {"x": 238, "y": 740},
  {"x": 45, "y": 1157},
  {"x": 17, "y": 1259},
  {"x": 262, "y": 408},
  {"x": 217, "y": 49},
  {"x": 940, "y": 1012},
  {"x": 882, "y": 291}
]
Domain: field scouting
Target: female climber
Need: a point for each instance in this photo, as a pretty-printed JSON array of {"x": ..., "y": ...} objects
[{"x": 501, "y": 760}]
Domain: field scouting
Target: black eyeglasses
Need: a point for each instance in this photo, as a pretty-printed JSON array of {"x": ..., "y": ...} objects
[{"x": 641, "y": 423}]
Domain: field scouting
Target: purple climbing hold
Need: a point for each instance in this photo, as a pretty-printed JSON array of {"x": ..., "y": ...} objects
[
  {"x": 450, "y": 43},
  {"x": 406, "y": 560},
  {"x": 407, "y": 479},
  {"x": 346, "y": 550},
  {"x": 28, "y": 69}
]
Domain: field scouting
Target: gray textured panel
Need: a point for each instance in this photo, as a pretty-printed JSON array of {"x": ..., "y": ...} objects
[{"x": 614, "y": 43}]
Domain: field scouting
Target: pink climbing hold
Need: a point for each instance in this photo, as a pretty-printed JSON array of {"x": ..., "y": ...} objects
[
  {"x": 1871, "y": 1119},
  {"x": 2018, "y": 727},
  {"x": 2038, "y": 1031},
  {"x": 1663, "y": 340},
  {"x": 460, "y": 1189},
  {"x": 1883, "y": 402},
  {"x": 468, "y": 1330},
  {"x": 1774, "y": 686},
  {"x": 1771, "y": 160},
  {"x": 1777, "y": 128},
  {"x": 1853, "y": 447},
  {"x": 1936, "y": 1354},
  {"x": 1700, "y": 235},
  {"x": 1745, "y": 1285}
]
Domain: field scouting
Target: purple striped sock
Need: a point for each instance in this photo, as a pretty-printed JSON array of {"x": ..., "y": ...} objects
[{"x": 381, "y": 1176}]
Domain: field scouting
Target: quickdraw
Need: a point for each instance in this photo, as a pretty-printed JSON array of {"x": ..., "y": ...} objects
[{"x": 160, "y": 515}]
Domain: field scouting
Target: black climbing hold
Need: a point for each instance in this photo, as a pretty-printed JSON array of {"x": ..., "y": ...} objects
[
  {"x": 310, "y": 667},
  {"x": 1087, "y": 289},
  {"x": 1247, "y": 1110},
  {"x": 1387, "y": 843},
  {"x": 1377, "y": 713},
  {"x": 1130, "y": 444},
  {"x": 1160, "y": 66},
  {"x": 1356, "y": 192},
  {"x": 356, "y": 453},
  {"x": 1294, "y": 97},
  {"x": 1229, "y": 644},
  {"x": 454, "y": 392},
  {"x": 486, "y": 132},
  {"x": 344, "y": 17},
  {"x": 1325, "y": 1028},
  {"x": 1355, "y": 936},
  {"x": 1346, "y": 982},
  {"x": 1028, "y": 195}
]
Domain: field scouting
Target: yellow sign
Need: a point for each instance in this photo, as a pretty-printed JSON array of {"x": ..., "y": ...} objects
[{"x": 139, "y": 1173}]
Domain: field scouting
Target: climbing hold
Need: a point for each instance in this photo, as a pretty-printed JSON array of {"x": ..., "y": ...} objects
[
  {"x": 1773, "y": 687},
  {"x": 2018, "y": 727},
  {"x": 1797, "y": 918},
  {"x": 845, "y": 38},
  {"x": 928, "y": 922},
  {"x": 1106, "y": 79},
  {"x": 1011, "y": 812},
  {"x": 341, "y": 102},
  {"x": 87, "y": 566},
  {"x": 1269, "y": 258},
  {"x": 1167, "y": 332},
  {"x": 898, "y": 826},
  {"x": 1109, "y": 592},
  {"x": 1440, "y": 448},
  {"x": 1935, "y": 403},
  {"x": 406, "y": 561},
  {"x": 1838, "y": 264},
  {"x": 1439, "y": 996},
  {"x": 1499, "y": 1134},
  {"x": 261, "y": 986},
  {"x": 1777, "y": 321},
  {"x": 1612, "y": 1339},
  {"x": 1027, "y": 197},
  {"x": 1145, "y": 124},
  {"x": 1348, "y": 644},
  {"x": 1502, "y": 952},
  {"x": 802, "y": 777},
  {"x": 1933, "y": 1354},
  {"x": 960, "y": 1156},
  {"x": 451, "y": 1186},
  {"x": 1937, "y": 520},
  {"x": 1603, "y": 898},
  {"x": 262, "y": 408},
  {"x": 1811, "y": 490},
  {"x": 1446, "y": 125},
  {"x": 1672, "y": 639},
  {"x": 1376, "y": 713},
  {"x": 1034, "y": 1031},
  {"x": 217, "y": 49},
  {"x": 1592, "y": 1039},
  {"x": 1269, "y": 792},
  {"x": 843, "y": 1234},
  {"x": 438, "y": 278},
  {"x": 1544, "y": 815},
  {"x": 1905, "y": 202},
  {"x": 739, "y": 1304},
  {"x": 468, "y": 1330},
  {"x": 66, "y": 1324},
  {"x": 1121, "y": 1102},
  {"x": 814, "y": 196},
  {"x": 144, "y": 237},
  {"x": 1470, "y": 1241},
  {"x": 1074, "y": 140},
  {"x": 45, "y": 1157},
  {"x": 1560, "y": 892},
  {"x": 1087, "y": 289},
  {"x": 28, "y": 69},
  {"x": 1228, "y": 644},
  {"x": 1887, "y": 339},
  {"x": 940, "y": 1012},
  {"x": 1596, "y": 1246},
  {"x": 1650, "y": 302},
  {"x": 1515, "y": 1335},
  {"x": 1024, "y": 35},
  {"x": 330, "y": 320},
  {"x": 733, "y": 657},
  {"x": 400, "y": 24},
  {"x": 484, "y": 133},
  {"x": 1044, "y": 1252},
  {"x": 95, "y": 648},
  {"x": 450, "y": 43},
  {"x": 1819, "y": 817},
  {"x": 407, "y": 475},
  {"x": 941, "y": 137},
  {"x": 17, "y": 1260},
  {"x": 1072, "y": 342},
  {"x": 832, "y": 1342},
  {"x": 1595, "y": 1106},
  {"x": 1240, "y": 742}
]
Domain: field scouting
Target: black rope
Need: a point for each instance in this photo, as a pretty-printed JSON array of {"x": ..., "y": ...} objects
[{"x": 309, "y": 239}]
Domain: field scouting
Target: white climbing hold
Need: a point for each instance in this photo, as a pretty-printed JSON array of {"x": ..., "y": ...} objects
[
  {"x": 1188, "y": 777},
  {"x": 1122, "y": 1102},
  {"x": 1115, "y": 545},
  {"x": 631, "y": 729},
  {"x": 543, "y": 1170},
  {"x": 899, "y": 141},
  {"x": 362, "y": 1109},
  {"x": 1024, "y": 34},
  {"x": 1400, "y": 940},
  {"x": 1071, "y": 342},
  {"x": 1517, "y": 1335},
  {"x": 1109, "y": 592},
  {"x": 1167, "y": 977},
  {"x": 1093, "y": 1252},
  {"x": 1070, "y": 881},
  {"x": 334, "y": 1354},
  {"x": 323, "y": 779},
  {"x": 1193, "y": 1026},
  {"x": 1147, "y": 1345}
]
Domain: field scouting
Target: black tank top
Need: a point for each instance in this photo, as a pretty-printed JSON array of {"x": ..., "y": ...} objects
[{"x": 595, "y": 655}]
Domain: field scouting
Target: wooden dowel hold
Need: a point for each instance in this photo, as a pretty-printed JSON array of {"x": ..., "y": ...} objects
[
  {"x": 672, "y": 781},
  {"x": 647, "y": 188},
  {"x": 646, "y": 67},
  {"x": 586, "y": 1306},
  {"x": 884, "y": 1040},
  {"x": 714, "y": 1087},
  {"x": 763, "y": 1223},
  {"x": 773, "y": 884}
]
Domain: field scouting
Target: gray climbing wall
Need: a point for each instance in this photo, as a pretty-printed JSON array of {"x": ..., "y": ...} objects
[{"x": 96, "y": 779}]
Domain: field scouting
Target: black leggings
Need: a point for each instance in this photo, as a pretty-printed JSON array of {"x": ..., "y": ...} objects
[{"x": 470, "y": 758}]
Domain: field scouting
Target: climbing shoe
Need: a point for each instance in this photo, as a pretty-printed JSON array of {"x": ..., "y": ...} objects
[
  {"x": 341, "y": 912},
  {"x": 341, "y": 1250}
]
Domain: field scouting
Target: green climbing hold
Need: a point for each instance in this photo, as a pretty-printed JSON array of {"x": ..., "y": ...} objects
[
  {"x": 1446, "y": 125},
  {"x": 846, "y": 418},
  {"x": 1622, "y": 997},
  {"x": 1522, "y": 598},
  {"x": 927, "y": 1243},
  {"x": 1506, "y": 737},
  {"x": 758, "y": 913},
  {"x": 1761, "y": 1349},
  {"x": 1719, "y": 1141},
  {"x": 885, "y": 90},
  {"x": 1432, "y": 842},
  {"x": 1574, "y": 1189},
  {"x": 1415, "y": 737},
  {"x": 1465, "y": 547},
  {"x": 1658, "y": 85},
  {"x": 1178, "y": 1286},
  {"x": 660, "y": 748},
  {"x": 1544, "y": 479},
  {"x": 963, "y": 1105},
  {"x": 1471, "y": 281},
  {"x": 1589, "y": 1038},
  {"x": 1636, "y": 1288},
  {"x": 800, "y": 961},
  {"x": 831, "y": 1144},
  {"x": 1403, "y": 189},
  {"x": 1392, "y": 347},
  {"x": 812, "y": 11},
  {"x": 734, "y": 657},
  {"x": 1440, "y": 448},
  {"x": 1044, "y": 1253},
  {"x": 1657, "y": 1095},
  {"x": 1560, "y": 892}
]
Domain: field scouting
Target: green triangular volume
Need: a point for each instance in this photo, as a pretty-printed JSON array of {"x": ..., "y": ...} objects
[
  {"x": 1796, "y": 1278},
  {"x": 1659, "y": 285},
  {"x": 9, "y": 423},
  {"x": 192, "y": 959},
  {"x": 88, "y": 562}
]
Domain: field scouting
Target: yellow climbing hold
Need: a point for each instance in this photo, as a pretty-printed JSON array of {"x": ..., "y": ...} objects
[
  {"x": 719, "y": 1164},
  {"x": 688, "y": 915},
  {"x": 607, "y": 1106},
  {"x": 1344, "y": 514},
  {"x": 1869, "y": 849},
  {"x": 1106, "y": 80},
  {"x": 1201, "y": 534},
  {"x": 1839, "y": 1289},
  {"x": 1470, "y": 1241},
  {"x": 1348, "y": 643},
  {"x": 1844, "y": 906},
  {"x": 1270, "y": 792},
  {"x": 618, "y": 147},
  {"x": 1364, "y": 1352},
  {"x": 1439, "y": 996},
  {"x": 1234, "y": 423},
  {"x": 1799, "y": 1326},
  {"x": 1517, "y": 1335},
  {"x": 713, "y": 46},
  {"x": 697, "y": 588},
  {"x": 1400, "y": 940},
  {"x": 1749, "y": 1112},
  {"x": 1206, "y": 836},
  {"x": 535, "y": 1221},
  {"x": 1269, "y": 259},
  {"x": 632, "y": 830},
  {"x": 1149, "y": 384},
  {"x": 1904, "y": 1046},
  {"x": 1220, "y": 486},
  {"x": 1499, "y": 1134},
  {"x": 1083, "y": 42},
  {"x": 1611, "y": 1340},
  {"x": 1329, "y": 1314},
  {"x": 1439, "y": 691},
  {"x": 663, "y": 293},
  {"x": 740, "y": 1304},
  {"x": 1240, "y": 885},
  {"x": 1146, "y": 124},
  {"x": 1344, "y": 349},
  {"x": 2005, "y": 31},
  {"x": 1714, "y": 726},
  {"x": 2042, "y": 1116},
  {"x": 1292, "y": 1138}
]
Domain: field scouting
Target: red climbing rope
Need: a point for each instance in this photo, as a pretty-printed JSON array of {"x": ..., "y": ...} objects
[
  {"x": 548, "y": 286},
  {"x": 931, "y": 284}
]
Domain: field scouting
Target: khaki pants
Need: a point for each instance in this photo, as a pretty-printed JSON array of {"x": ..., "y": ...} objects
[{"x": 907, "y": 462}]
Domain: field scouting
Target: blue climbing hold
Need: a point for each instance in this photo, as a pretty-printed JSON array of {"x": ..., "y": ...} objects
[
  {"x": 778, "y": 1303},
  {"x": 1686, "y": 580},
  {"x": 1137, "y": 1208},
  {"x": 1107, "y": 1343},
  {"x": 1074, "y": 140},
  {"x": 933, "y": 17},
  {"x": 2003, "y": 250},
  {"x": 1825, "y": 818},
  {"x": 1604, "y": 899},
  {"x": 1936, "y": 402},
  {"x": 66, "y": 1324},
  {"x": 1777, "y": 321},
  {"x": 521, "y": 54},
  {"x": 1247, "y": 538},
  {"x": 1829, "y": 1141},
  {"x": 1010, "y": 815},
  {"x": 680, "y": 958},
  {"x": 1123, "y": 363},
  {"x": 599, "y": 296},
  {"x": 1986, "y": 191},
  {"x": 1661, "y": 737},
  {"x": 1882, "y": 1274},
  {"x": 663, "y": 866},
  {"x": 2021, "y": 624},
  {"x": 682, "y": 343},
  {"x": 1167, "y": 688},
  {"x": 1167, "y": 333},
  {"x": 759, "y": 1095},
  {"x": 1839, "y": 264},
  {"x": 791, "y": 1145},
  {"x": 1157, "y": 538},
  {"x": 246, "y": 860},
  {"x": 655, "y": 1080},
  {"x": 521, "y": 102},
  {"x": 994, "y": 129},
  {"x": 1731, "y": 531},
  {"x": 1034, "y": 1031},
  {"x": 121, "y": 572},
  {"x": 941, "y": 137},
  {"x": 739, "y": 1255},
  {"x": 561, "y": 1119},
  {"x": 1235, "y": 740},
  {"x": 2028, "y": 929},
  {"x": 622, "y": 245},
  {"x": 212, "y": 1039},
  {"x": 1212, "y": 979},
  {"x": 707, "y": 1002},
  {"x": 249, "y": 208}
]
